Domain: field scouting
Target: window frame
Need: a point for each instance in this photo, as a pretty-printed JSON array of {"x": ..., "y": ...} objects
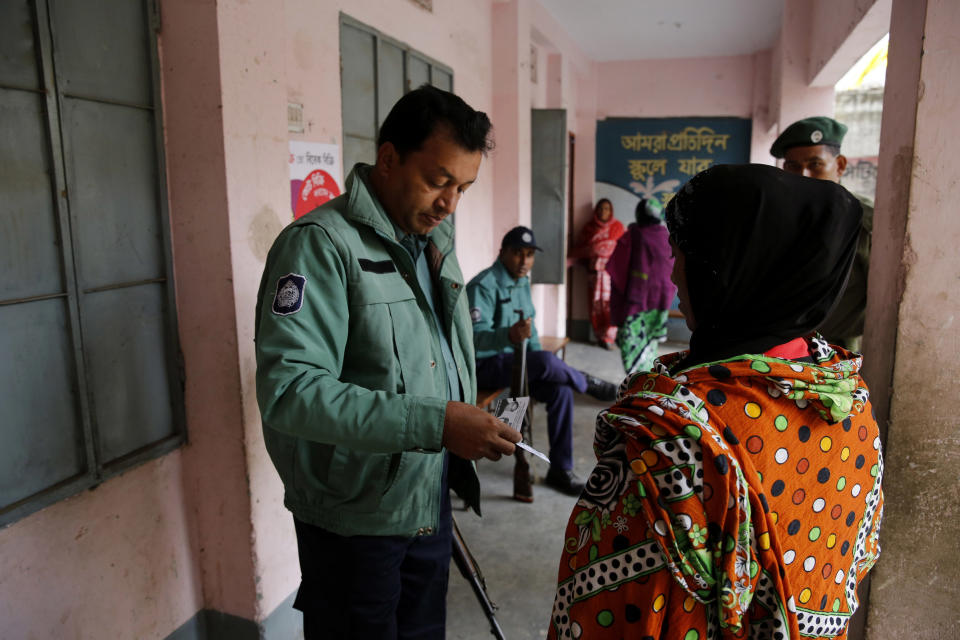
[{"x": 94, "y": 470}]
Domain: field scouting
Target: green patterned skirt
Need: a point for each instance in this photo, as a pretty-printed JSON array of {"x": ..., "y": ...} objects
[{"x": 638, "y": 338}]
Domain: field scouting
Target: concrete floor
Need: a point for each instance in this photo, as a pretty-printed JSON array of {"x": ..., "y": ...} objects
[{"x": 518, "y": 545}]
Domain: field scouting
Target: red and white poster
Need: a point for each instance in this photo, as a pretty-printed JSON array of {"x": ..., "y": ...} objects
[{"x": 314, "y": 175}]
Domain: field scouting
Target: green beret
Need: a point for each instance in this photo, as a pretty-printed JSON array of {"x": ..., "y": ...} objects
[{"x": 809, "y": 132}]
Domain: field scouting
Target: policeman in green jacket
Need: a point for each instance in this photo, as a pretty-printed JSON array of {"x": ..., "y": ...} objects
[
  {"x": 365, "y": 378},
  {"x": 502, "y": 313},
  {"x": 811, "y": 148}
]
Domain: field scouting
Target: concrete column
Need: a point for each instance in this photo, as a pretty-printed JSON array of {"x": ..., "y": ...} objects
[
  {"x": 511, "y": 115},
  {"x": 793, "y": 97},
  {"x": 763, "y": 131},
  {"x": 911, "y": 340},
  {"x": 215, "y": 475},
  {"x": 557, "y": 89}
]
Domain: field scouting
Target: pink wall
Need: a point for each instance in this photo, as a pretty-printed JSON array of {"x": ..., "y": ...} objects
[
  {"x": 113, "y": 562},
  {"x": 254, "y": 96},
  {"x": 512, "y": 99},
  {"x": 912, "y": 311},
  {"x": 792, "y": 97},
  {"x": 215, "y": 466},
  {"x": 764, "y": 127},
  {"x": 676, "y": 87}
]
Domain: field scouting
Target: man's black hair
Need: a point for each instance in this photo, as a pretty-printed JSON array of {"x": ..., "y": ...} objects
[{"x": 416, "y": 115}]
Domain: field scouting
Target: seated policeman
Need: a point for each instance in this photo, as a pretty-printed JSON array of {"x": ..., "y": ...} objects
[{"x": 496, "y": 296}]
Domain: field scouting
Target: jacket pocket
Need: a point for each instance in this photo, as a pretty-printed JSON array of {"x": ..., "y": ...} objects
[
  {"x": 356, "y": 479},
  {"x": 413, "y": 347},
  {"x": 398, "y": 465},
  {"x": 371, "y": 359}
]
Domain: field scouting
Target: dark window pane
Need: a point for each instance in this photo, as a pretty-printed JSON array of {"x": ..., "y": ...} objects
[
  {"x": 548, "y": 146},
  {"x": 357, "y": 150},
  {"x": 390, "y": 79},
  {"x": 357, "y": 82},
  {"x": 18, "y": 58},
  {"x": 125, "y": 344},
  {"x": 418, "y": 72},
  {"x": 441, "y": 79},
  {"x": 111, "y": 179},
  {"x": 41, "y": 439},
  {"x": 102, "y": 49},
  {"x": 29, "y": 252}
]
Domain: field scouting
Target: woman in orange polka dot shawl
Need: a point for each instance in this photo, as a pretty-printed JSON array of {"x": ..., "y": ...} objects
[{"x": 737, "y": 486}]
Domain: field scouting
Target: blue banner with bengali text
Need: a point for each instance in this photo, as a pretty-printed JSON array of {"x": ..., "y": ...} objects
[{"x": 654, "y": 157}]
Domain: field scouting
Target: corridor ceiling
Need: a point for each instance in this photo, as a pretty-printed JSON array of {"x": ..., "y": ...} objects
[{"x": 608, "y": 30}]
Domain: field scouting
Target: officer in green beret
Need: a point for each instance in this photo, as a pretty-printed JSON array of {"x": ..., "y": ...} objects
[{"x": 811, "y": 148}]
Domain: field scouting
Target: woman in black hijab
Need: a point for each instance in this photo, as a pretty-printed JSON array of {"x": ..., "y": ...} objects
[
  {"x": 737, "y": 491},
  {"x": 766, "y": 255}
]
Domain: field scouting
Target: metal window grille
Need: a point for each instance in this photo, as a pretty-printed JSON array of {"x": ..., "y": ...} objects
[{"x": 89, "y": 373}]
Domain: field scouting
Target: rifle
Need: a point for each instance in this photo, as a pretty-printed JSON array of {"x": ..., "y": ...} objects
[
  {"x": 470, "y": 570},
  {"x": 522, "y": 482}
]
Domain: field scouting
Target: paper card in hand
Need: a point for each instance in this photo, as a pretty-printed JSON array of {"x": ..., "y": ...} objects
[{"x": 511, "y": 411}]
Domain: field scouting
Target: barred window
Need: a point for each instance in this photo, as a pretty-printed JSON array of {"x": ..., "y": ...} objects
[{"x": 89, "y": 382}]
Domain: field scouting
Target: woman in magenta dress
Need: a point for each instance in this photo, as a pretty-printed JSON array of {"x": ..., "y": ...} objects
[
  {"x": 642, "y": 292},
  {"x": 595, "y": 244}
]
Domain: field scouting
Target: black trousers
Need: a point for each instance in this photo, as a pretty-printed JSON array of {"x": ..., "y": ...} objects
[{"x": 374, "y": 587}]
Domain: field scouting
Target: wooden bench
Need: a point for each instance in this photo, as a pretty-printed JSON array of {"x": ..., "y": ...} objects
[
  {"x": 555, "y": 344},
  {"x": 485, "y": 397}
]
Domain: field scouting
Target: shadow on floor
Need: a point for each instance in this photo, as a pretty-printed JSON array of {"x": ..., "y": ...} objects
[{"x": 518, "y": 545}]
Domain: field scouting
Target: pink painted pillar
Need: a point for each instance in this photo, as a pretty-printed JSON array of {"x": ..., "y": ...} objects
[
  {"x": 214, "y": 474},
  {"x": 796, "y": 99},
  {"x": 911, "y": 334},
  {"x": 511, "y": 116},
  {"x": 763, "y": 130}
]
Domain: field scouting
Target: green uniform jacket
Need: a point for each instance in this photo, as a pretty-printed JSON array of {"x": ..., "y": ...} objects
[
  {"x": 350, "y": 376},
  {"x": 495, "y": 298}
]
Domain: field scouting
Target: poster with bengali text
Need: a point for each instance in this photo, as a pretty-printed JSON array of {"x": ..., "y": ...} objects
[
  {"x": 653, "y": 157},
  {"x": 314, "y": 175}
]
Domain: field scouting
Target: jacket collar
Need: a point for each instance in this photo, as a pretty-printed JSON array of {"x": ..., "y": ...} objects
[{"x": 364, "y": 208}]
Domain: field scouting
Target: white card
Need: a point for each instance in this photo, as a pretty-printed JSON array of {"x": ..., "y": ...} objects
[{"x": 511, "y": 411}]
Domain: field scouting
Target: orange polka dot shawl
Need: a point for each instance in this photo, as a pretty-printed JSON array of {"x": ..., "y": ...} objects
[{"x": 734, "y": 499}]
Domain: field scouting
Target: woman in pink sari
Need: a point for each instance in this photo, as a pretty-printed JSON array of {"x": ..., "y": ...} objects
[{"x": 596, "y": 243}]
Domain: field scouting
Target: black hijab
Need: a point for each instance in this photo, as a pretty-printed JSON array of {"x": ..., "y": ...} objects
[{"x": 767, "y": 255}]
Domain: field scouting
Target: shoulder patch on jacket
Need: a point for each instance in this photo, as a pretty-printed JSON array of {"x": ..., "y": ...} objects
[
  {"x": 475, "y": 314},
  {"x": 290, "y": 291}
]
